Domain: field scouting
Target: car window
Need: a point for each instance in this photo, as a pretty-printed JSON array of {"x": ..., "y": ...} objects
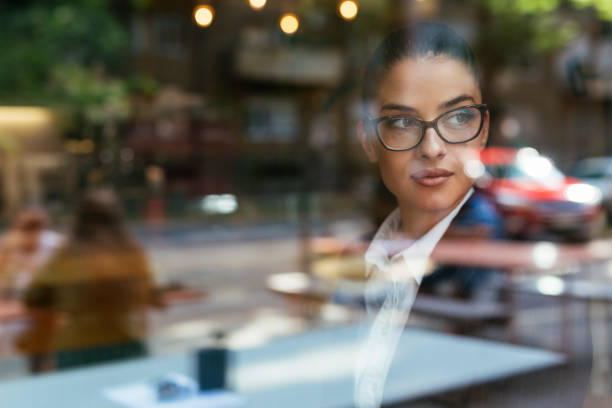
[
  {"x": 496, "y": 171},
  {"x": 590, "y": 173},
  {"x": 592, "y": 168}
]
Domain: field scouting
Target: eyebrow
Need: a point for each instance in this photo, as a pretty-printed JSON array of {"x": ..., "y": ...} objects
[
  {"x": 395, "y": 106},
  {"x": 448, "y": 104},
  {"x": 455, "y": 101}
]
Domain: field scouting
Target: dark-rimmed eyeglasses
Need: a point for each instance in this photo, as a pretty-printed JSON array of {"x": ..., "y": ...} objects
[{"x": 405, "y": 132}]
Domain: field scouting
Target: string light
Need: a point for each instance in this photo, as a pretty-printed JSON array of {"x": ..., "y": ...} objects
[
  {"x": 257, "y": 4},
  {"x": 204, "y": 15},
  {"x": 289, "y": 23},
  {"x": 348, "y": 9}
]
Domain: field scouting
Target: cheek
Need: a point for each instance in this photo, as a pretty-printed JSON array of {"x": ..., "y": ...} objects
[
  {"x": 394, "y": 169},
  {"x": 467, "y": 159}
]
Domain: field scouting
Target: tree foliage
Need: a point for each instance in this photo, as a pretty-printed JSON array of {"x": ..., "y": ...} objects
[
  {"x": 63, "y": 54},
  {"x": 538, "y": 7},
  {"x": 532, "y": 28}
]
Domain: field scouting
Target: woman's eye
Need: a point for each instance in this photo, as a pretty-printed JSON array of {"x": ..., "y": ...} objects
[
  {"x": 461, "y": 118},
  {"x": 403, "y": 123}
]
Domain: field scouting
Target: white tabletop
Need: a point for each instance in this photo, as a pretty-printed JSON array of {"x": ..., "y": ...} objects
[{"x": 313, "y": 369}]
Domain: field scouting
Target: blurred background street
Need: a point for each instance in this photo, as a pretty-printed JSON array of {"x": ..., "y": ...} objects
[{"x": 179, "y": 177}]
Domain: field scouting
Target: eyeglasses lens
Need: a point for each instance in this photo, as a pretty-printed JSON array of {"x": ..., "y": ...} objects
[{"x": 456, "y": 126}]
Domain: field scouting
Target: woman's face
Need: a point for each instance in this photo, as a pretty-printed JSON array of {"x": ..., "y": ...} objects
[{"x": 431, "y": 176}]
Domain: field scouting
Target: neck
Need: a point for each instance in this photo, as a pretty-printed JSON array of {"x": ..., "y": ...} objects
[{"x": 416, "y": 222}]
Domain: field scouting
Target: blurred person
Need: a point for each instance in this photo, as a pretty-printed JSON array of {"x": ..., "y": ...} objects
[
  {"x": 93, "y": 295},
  {"x": 24, "y": 249},
  {"x": 478, "y": 219},
  {"x": 425, "y": 120}
]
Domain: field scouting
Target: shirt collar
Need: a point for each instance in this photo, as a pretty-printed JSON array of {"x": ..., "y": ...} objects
[{"x": 387, "y": 249}]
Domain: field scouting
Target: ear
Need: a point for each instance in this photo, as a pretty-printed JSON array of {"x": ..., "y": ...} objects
[{"x": 366, "y": 142}]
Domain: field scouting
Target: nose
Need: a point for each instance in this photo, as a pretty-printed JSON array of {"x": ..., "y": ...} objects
[{"x": 432, "y": 146}]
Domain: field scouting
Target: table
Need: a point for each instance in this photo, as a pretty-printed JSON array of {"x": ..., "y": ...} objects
[
  {"x": 513, "y": 258},
  {"x": 596, "y": 290},
  {"x": 312, "y": 369},
  {"x": 15, "y": 317},
  {"x": 503, "y": 254}
]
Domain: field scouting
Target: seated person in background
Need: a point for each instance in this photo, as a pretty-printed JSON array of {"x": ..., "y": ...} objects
[
  {"x": 478, "y": 219},
  {"x": 93, "y": 295}
]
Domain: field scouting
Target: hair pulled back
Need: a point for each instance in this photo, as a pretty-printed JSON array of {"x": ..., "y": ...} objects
[{"x": 426, "y": 40}]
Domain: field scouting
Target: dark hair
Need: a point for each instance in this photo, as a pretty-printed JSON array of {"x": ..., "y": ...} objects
[
  {"x": 420, "y": 40},
  {"x": 99, "y": 222}
]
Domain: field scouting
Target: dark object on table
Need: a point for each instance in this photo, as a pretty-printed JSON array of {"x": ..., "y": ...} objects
[{"x": 211, "y": 368}]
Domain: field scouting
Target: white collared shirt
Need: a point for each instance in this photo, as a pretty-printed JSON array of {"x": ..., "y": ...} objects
[
  {"x": 395, "y": 268},
  {"x": 383, "y": 252}
]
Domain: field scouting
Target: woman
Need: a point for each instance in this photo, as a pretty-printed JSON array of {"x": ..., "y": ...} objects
[
  {"x": 425, "y": 123},
  {"x": 426, "y": 73},
  {"x": 94, "y": 293}
]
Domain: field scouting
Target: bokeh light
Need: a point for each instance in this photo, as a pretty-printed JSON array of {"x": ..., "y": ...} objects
[
  {"x": 583, "y": 194},
  {"x": 545, "y": 255},
  {"x": 348, "y": 9},
  {"x": 550, "y": 285},
  {"x": 219, "y": 204},
  {"x": 203, "y": 15},
  {"x": 531, "y": 163},
  {"x": 510, "y": 127},
  {"x": 257, "y": 4},
  {"x": 474, "y": 169},
  {"x": 30, "y": 116},
  {"x": 289, "y": 23}
]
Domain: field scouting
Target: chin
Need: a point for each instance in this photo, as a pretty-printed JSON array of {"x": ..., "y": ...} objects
[
  {"x": 441, "y": 201},
  {"x": 435, "y": 205}
]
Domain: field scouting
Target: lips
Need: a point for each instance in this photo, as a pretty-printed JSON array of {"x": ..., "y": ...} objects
[{"x": 431, "y": 177}]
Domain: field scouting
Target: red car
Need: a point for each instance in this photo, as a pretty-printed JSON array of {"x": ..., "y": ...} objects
[{"x": 536, "y": 200}]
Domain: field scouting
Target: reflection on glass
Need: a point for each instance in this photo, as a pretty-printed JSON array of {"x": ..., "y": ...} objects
[{"x": 237, "y": 152}]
